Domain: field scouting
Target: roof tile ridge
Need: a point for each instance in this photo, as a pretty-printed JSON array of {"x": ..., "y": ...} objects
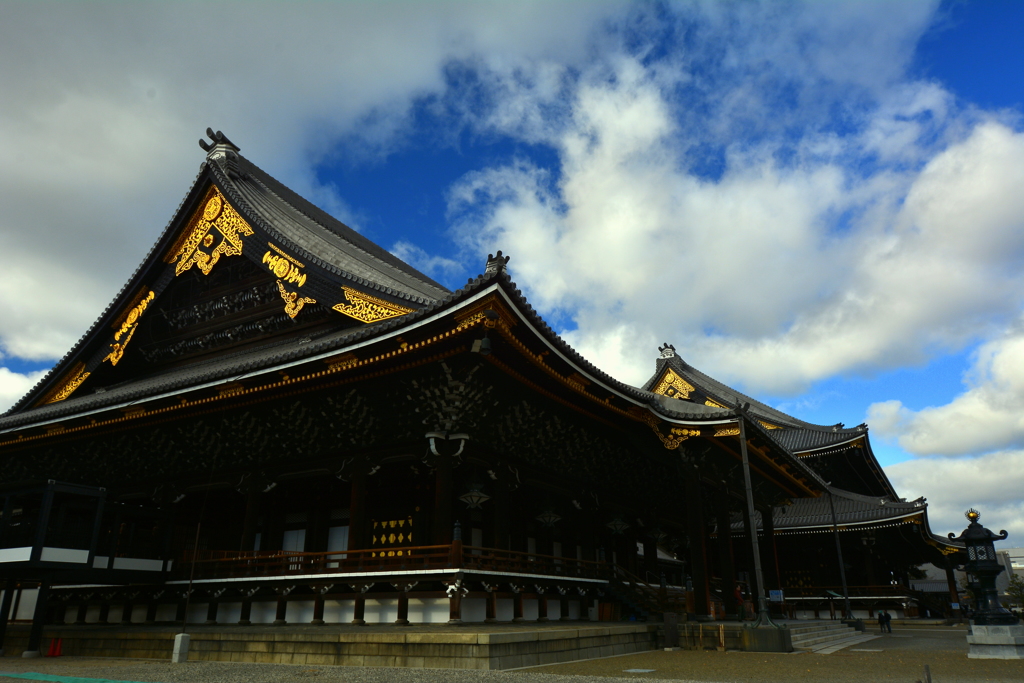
[
  {"x": 79, "y": 345},
  {"x": 415, "y": 274},
  {"x": 542, "y": 326},
  {"x": 682, "y": 365},
  {"x": 227, "y": 186}
]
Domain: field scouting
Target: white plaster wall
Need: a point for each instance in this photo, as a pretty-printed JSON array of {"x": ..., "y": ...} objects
[
  {"x": 529, "y": 609},
  {"x": 196, "y": 612},
  {"x": 229, "y": 612},
  {"x": 300, "y": 611},
  {"x": 139, "y": 613},
  {"x": 474, "y": 609},
  {"x": 92, "y": 614},
  {"x": 163, "y": 612},
  {"x": 340, "y": 611},
  {"x": 505, "y": 609},
  {"x": 554, "y": 609},
  {"x": 381, "y": 611},
  {"x": 114, "y": 615},
  {"x": 574, "y": 609},
  {"x": 27, "y": 605},
  {"x": 592, "y": 609},
  {"x": 428, "y": 610},
  {"x": 263, "y": 612}
]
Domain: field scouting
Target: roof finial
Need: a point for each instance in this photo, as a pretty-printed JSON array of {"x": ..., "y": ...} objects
[
  {"x": 221, "y": 147},
  {"x": 496, "y": 263},
  {"x": 667, "y": 351}
]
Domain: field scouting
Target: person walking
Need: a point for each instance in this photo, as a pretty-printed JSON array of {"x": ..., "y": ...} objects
[{"x": 887, "y": 623}]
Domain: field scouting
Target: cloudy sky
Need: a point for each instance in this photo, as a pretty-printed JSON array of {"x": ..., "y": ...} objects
[{"x": 820, "y": 203}]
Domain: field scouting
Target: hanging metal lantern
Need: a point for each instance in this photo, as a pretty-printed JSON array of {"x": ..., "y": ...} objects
[
  {"x": 617, "y": 525},
  {"x": 548, "y": 517},
  {"x": 474, "y": 497}
]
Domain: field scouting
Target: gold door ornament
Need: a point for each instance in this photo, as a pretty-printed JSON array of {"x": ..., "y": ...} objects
[
  {"x": 215, "y": 230},
  {"x": 368, "y": 309}
]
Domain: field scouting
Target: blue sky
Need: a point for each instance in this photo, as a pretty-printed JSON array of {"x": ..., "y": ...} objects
[{"x": 815, "y": 202}]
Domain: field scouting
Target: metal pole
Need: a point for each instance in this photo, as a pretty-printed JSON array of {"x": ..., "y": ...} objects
[
  {"x": 839, "y": 552},
  {"x": 762, "y": 602}
]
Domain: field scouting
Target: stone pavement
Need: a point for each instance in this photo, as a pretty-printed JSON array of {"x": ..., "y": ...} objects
[{"x": 899, "y": 657}]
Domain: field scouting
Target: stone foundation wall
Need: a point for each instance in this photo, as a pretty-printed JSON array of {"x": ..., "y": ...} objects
[{"x": 497, "y": 650}]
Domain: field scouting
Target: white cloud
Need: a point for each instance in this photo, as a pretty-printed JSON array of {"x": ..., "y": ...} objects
[
  {"x": 434, "y": 266},
  {"x": 14, "y": 385},
  {"x": 102, "y": 104},
  {"x": 777, "y": 274},
  {"x": 988, "y": 415},
  {"x": 991, "y": 483}
]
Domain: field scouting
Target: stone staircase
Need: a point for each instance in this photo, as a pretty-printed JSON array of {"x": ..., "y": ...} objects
[{"x": 826, "y": 637}]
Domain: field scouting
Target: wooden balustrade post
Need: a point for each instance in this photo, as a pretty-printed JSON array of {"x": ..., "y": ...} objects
[{"x": 456, "y": 560}]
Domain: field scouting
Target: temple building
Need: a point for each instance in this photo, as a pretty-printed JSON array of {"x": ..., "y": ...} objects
[{"x": 276, "y": 420}]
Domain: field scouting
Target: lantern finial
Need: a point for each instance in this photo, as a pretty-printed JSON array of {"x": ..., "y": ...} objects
[{"x": 972, "y": 515}]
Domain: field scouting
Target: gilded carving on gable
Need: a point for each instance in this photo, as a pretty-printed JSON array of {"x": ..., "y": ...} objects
[
  {"x": 284, "y": 267},
  {"x": 673, "y": 386},
  {"x": 215, "y": 230},
  {"x": 71, "y": 381},
  {"x": 368, "y": 309},
  {"x": 293, "y": 303},
  {"x": 130, "y": 323}
]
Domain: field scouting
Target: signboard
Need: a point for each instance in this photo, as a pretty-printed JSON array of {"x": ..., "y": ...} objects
[
  {"x": 955, "y": 605},
  {"x": 775, "y": 596}
]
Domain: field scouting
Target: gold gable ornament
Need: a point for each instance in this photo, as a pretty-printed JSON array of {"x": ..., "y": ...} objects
[
  {"x": 216, "y": 217},
  {"x": 368, "y": 309},
  {"x": 673, "y": 386},
  {"x": 129, "y": 323},
  {"x": 67, "y": 385},
  {"x": 293, "y": 303}
]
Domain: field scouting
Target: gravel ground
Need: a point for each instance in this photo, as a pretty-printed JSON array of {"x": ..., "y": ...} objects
[{"x": 900, "y": 657}]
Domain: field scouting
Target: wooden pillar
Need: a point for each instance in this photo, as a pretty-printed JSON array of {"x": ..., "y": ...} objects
[
  {"x": 211, "y": 612},
  {"x": 542, "y": 605},
  {"x": 83, "y": 610},
  {"x": 650, "y": 559},
  {"x": 5, "y": 610},
  {"x": 151, "y": 608},
  {"x": 403, "y": 609},
  {"x": 725, "y": 555},
  {"x": 756, "y": 590},
  {"x": 318, "y": 610},
  {"x": 357, "y": 510},
  {"x": 502, "y": 517},
  {"x": 492, "y": 603},
  {"x": 35, "y": 634},
  {"x": 281, "y": 617},
  {"x": 771, "y": 576},
  {"x": 126, "y": 611},
  {"x": 697, "y": 531},
  {"x": 442, "y": 530},
  {"x": 563, "y": 607},
  {"x": 455, "y": 592},
  {"x": 517, "y": 604},
  {"x": 954, "y": 596},
  {"x": 360, "y": 606},
  {"x": 244, "y": 618},
  {"x": 253, "y": 501},
  {"x": 104, "y": 611}
]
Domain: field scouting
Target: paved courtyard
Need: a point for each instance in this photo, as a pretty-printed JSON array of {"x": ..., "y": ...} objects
[{"x": 901, "y": 657}]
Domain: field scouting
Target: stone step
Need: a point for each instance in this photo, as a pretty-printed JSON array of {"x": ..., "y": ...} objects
[
  {"x": 816, "y": 640},
  {"x": 815, "y": 627},
  {"x": 847, "y": 642}
]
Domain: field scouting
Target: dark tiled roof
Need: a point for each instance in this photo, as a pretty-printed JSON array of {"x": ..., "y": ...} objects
[
  {"x": 321, "y": 236},
  {"x": 851, "y": 508}
]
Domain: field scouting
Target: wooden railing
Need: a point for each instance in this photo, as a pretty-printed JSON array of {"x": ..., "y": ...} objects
[
  {"x": 235, "y": 564},
  {"x": 492, "y": 559},
  {"x": 885, "y": 590}
]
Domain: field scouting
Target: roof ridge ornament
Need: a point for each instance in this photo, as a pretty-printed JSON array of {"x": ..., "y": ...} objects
[
  {"x": 496, "y": 263},
  {"x": 667, "y": 351},
  {"x": 222, "y": 148}
]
